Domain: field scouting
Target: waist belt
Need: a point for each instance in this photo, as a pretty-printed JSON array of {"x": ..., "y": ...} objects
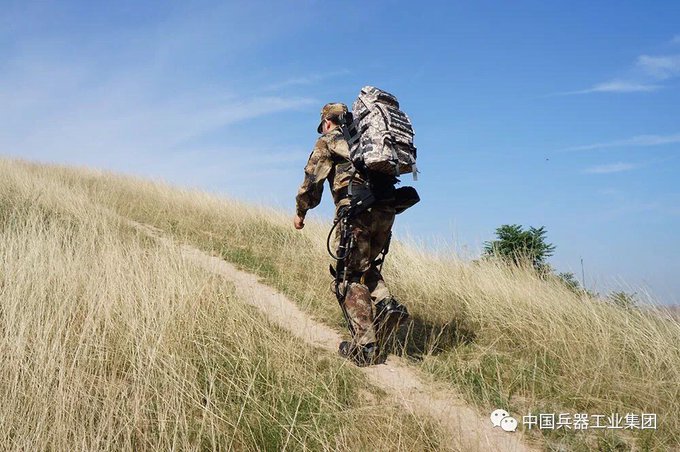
[{"x": 343, "y": 193}]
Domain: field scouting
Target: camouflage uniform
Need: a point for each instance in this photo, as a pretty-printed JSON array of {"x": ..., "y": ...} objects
[{"x": 371, "y": 228}]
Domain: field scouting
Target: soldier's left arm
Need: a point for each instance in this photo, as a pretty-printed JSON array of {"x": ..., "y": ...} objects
[{"x": 317, "y": 169}]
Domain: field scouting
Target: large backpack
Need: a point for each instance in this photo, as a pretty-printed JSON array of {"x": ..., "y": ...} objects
[{"x": 380, "y": 135}]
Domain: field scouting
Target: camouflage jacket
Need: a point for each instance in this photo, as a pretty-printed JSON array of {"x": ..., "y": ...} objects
[{"x": 329, "y": 160}]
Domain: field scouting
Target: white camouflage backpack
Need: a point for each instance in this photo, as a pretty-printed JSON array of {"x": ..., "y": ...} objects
[{"x": 380, "y": 134}]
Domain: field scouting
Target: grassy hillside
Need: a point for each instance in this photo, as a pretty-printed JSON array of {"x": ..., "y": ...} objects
[
  {"x": 111, "y": 341},
  {"x": 503, "y": 337}
]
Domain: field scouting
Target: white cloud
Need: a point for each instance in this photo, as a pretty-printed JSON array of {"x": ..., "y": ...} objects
[
  {"x": 309, "y": 79},
  {"x": 78, "y": 107},
  {"x": 58, "y": 113},
  {"x": 237, "y": 170},
  {"x": 609, "y": 168},
  {"x": 622, "y": 86},
  {"x": 660, "y": 67},
  {"x": 610, "y": 192},
  {"x": 616, "y": 86},
  {"x": 170, "y": 96},
  {"x": 643, "y": 76},
  {"x": 636, "y": 141}
]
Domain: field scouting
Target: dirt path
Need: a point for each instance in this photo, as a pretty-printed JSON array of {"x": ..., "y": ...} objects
[{"x": 468, "y": 430}]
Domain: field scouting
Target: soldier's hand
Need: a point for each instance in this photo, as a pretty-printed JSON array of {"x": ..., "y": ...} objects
[{"x": 299, "y": 222}]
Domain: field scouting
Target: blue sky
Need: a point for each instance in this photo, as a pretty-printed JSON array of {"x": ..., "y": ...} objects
[{"x": 557, "y": 114}]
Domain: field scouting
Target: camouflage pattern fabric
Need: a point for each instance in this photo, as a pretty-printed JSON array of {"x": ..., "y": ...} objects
[
  {"x": 360, "y": 313},
  {"x": 331, "y": 110},
  {"x": 329, "y": 160},
  {"x": 385, "y": 143},
  {"x": 370, "y": 229}
]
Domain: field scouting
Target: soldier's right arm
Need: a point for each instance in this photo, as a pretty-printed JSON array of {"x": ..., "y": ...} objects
[{"x": 317, "y": 169}]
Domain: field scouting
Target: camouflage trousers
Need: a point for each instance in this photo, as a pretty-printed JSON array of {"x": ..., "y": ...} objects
[{"x": 371, "y": 230}]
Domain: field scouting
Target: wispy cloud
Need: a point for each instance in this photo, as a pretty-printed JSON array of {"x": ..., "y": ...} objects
[
  {"x": 238, "y": 170},
  {"x": 309, "y": 79},
  {"x": 676, "y": 39},
  {"x": 610, "y": 168},
  {"x": 615, "y": 86},
  {"x": 622, "y": 86},
  {"x": 609, "y": 191},
  {"x": 56, "y": 111},
  {"x": 636, "y": 141},
  {"x": 168, "y": 96},
  {"x": 660, "y": 67},
  {"x": 75, "y": 107},
  {"x": 643, "y": 76},
  {"x": 665, "y": 205}
]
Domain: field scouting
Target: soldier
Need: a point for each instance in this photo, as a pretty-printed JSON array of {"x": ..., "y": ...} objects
[{"x": 371, "y": 311}]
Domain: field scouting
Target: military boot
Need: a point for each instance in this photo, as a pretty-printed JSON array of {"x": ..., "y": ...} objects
[
  {"x": 361, "y": 355},
  {"x": 389, "y": 315}
]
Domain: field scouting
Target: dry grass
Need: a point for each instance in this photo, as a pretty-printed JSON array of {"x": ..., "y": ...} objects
[
  {"x": 504, "y": 337},
  {"x": 111, "y": 341}
]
